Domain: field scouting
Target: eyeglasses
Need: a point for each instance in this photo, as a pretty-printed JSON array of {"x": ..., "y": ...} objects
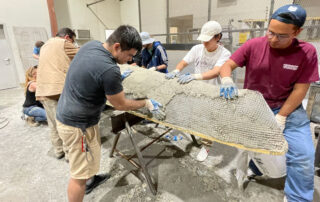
[{"x": 280, "y": 37}]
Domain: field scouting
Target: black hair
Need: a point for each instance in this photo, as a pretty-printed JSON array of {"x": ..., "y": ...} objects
[
  {"x": 39, "y": 44},
  {"x": 289, "y": 17},
  {"x": 127, "y": 36},
  {"x": 219, "y": 36},
  {"x": 66, "y": 31}
]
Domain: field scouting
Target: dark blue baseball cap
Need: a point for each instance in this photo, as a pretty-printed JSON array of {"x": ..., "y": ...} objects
[{"x": 290, "y": 14}]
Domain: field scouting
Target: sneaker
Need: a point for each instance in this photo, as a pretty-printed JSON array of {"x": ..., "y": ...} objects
[
  {"x": 31, "y": 122},
  {"x": 60, "y": 156},
  {"x": 203, "y": 154},
  {"x": 96, "y": 181}
]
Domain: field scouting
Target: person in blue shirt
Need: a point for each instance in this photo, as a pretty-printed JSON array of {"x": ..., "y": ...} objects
[
  {"x": 154, "y": 55},
  {"x": 36, "y": 49}
]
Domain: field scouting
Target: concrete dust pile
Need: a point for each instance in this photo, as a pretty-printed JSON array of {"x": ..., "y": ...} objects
[{"x": 196, "y": 108}]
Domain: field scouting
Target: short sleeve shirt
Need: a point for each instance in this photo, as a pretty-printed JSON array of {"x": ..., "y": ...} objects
[
  {"x": 274, "y": 72},
  {"x": 36, "y": 50},
  {"x": 205, "y": 61},
  {"x": 92, "y": 75},
  {"x": 156, "y": 58}
]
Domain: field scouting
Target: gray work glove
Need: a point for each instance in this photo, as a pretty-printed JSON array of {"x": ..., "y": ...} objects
[
  {"x": 281, "y": 121},
  {"x": 155, "y": 108},
  {"x": 186, "y": 78},
  {"x": 172, "y": 74},
  {"x": 228, "y": 88},
  {"x": 153, "y": 68}
]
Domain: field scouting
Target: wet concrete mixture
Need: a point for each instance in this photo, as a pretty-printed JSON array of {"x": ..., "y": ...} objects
[{"x": 29, "y": 171}]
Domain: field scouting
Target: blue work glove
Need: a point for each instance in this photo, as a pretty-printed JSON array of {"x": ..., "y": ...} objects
[
  {"x": 172, "y": 74},
  {"x": 186, "y": 78},
  {"x": 125, "y": 74},
  {"x": 155, "y": 108},
  {"x": 228, "y": 88}
]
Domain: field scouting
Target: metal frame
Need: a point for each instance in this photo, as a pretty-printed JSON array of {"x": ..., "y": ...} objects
[
  {"x": 128, "y": 120},
  {"x": 125, "y": 121}
]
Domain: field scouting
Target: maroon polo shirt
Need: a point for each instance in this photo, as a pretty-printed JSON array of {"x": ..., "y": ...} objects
[{"x": 273, "y": 72}]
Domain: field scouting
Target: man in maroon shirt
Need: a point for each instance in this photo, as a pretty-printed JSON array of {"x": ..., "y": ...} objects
[{"x": 282, "y": 67}]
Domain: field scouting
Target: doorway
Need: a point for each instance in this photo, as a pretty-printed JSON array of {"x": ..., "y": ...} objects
[{"x": 7, "y": 72}]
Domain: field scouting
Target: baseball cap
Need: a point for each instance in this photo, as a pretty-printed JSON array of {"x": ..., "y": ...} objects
[
  {"x": 290, "y": 14},
  {"x": 209, "y": 30},
  {"x": 146, "y": 39}
]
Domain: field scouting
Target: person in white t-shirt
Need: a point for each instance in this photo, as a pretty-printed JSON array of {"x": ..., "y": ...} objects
[{"x": 207, "y": 57}]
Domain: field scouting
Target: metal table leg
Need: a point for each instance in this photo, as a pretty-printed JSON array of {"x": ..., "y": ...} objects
[
  {"x": 195, "y": 141},
  {"x": 115, "y": 142},
  {"x": 141, "y": 160}
]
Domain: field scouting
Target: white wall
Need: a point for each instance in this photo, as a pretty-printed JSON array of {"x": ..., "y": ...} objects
[
  {"x": 129, "y": 12},
  {"x": 312, "y": 7},
  {"x": 61, "y": 8},
  {"x": 79, "y": 16},
  {"x": 31, "y": 13},
  {"x": 198, "y": 9},
  {"x": 153, "y": 17}
]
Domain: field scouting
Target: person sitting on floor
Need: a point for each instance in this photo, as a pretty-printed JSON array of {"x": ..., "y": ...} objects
[{"x": 32, "y": 108}]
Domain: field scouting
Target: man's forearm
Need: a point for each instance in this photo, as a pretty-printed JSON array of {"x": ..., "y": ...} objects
[
  {"x": 161, "y": 67},
  {"x": 213, "y": 73},
  {"x": 131, "y": 105},
  {"x": 227, "y": 68},
  {"x": 294, "y": 100},
  {"x": 181, "y": 65},
  {"x": 225, "y": 71}
]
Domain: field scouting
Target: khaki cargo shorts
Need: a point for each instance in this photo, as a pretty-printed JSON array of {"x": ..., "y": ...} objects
[{"x": 83, "y": 165}]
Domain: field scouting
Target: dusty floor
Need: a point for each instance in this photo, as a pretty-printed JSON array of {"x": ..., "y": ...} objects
[{"x": 29, "y": 172}]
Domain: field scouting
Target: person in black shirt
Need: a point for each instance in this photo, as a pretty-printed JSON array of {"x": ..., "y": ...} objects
[
  {"x": 32, "y": 108},
  {"x": 93, "y": 78}
]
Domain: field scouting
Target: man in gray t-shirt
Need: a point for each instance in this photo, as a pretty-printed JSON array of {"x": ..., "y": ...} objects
[{"x": 93, "y": 78}]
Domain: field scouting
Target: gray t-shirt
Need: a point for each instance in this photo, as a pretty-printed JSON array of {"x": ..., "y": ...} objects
[{"x": 93, "y": 74}]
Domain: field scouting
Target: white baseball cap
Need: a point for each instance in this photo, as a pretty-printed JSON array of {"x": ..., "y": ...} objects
[
  {"x": 146, "y": 39},
  {"x": 209, "y": 30}
]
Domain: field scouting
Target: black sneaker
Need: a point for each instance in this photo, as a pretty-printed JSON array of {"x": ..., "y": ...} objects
[
  {"x": 60, "y": 156},
  {"x": 96, "y": 181}
]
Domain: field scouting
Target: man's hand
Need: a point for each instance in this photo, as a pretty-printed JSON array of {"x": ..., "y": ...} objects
[
  {"x": 153, "y": 68},
  {"x": 126, "y": 73},
  {"x": 172, "y": 74},
  {"x": 154, "y": 107},
  {"x": 186, "y": 78},
  {"x": 228, "y": 89},
  {"x": 281, "y": 121}
]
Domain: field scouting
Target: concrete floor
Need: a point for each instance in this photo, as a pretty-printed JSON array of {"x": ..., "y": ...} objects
[{"x": 29, "y": 171}]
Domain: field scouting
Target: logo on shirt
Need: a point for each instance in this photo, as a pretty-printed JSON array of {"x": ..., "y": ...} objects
[{"x": 290, "y": 67}]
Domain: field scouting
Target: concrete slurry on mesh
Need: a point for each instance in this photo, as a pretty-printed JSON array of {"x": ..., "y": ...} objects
[{"x": 196, "y": 106}]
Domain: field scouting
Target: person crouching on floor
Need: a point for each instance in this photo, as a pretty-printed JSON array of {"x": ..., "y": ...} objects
[{"x": 32, "y": 108}]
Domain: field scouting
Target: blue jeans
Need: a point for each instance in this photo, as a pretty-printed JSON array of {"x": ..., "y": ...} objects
[
  {"x": 38, "y": 113},
  {"x": 299, "y": 185}
]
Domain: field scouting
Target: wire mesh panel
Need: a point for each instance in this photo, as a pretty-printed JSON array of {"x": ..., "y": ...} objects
[{"x": 246, "y": 122}]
